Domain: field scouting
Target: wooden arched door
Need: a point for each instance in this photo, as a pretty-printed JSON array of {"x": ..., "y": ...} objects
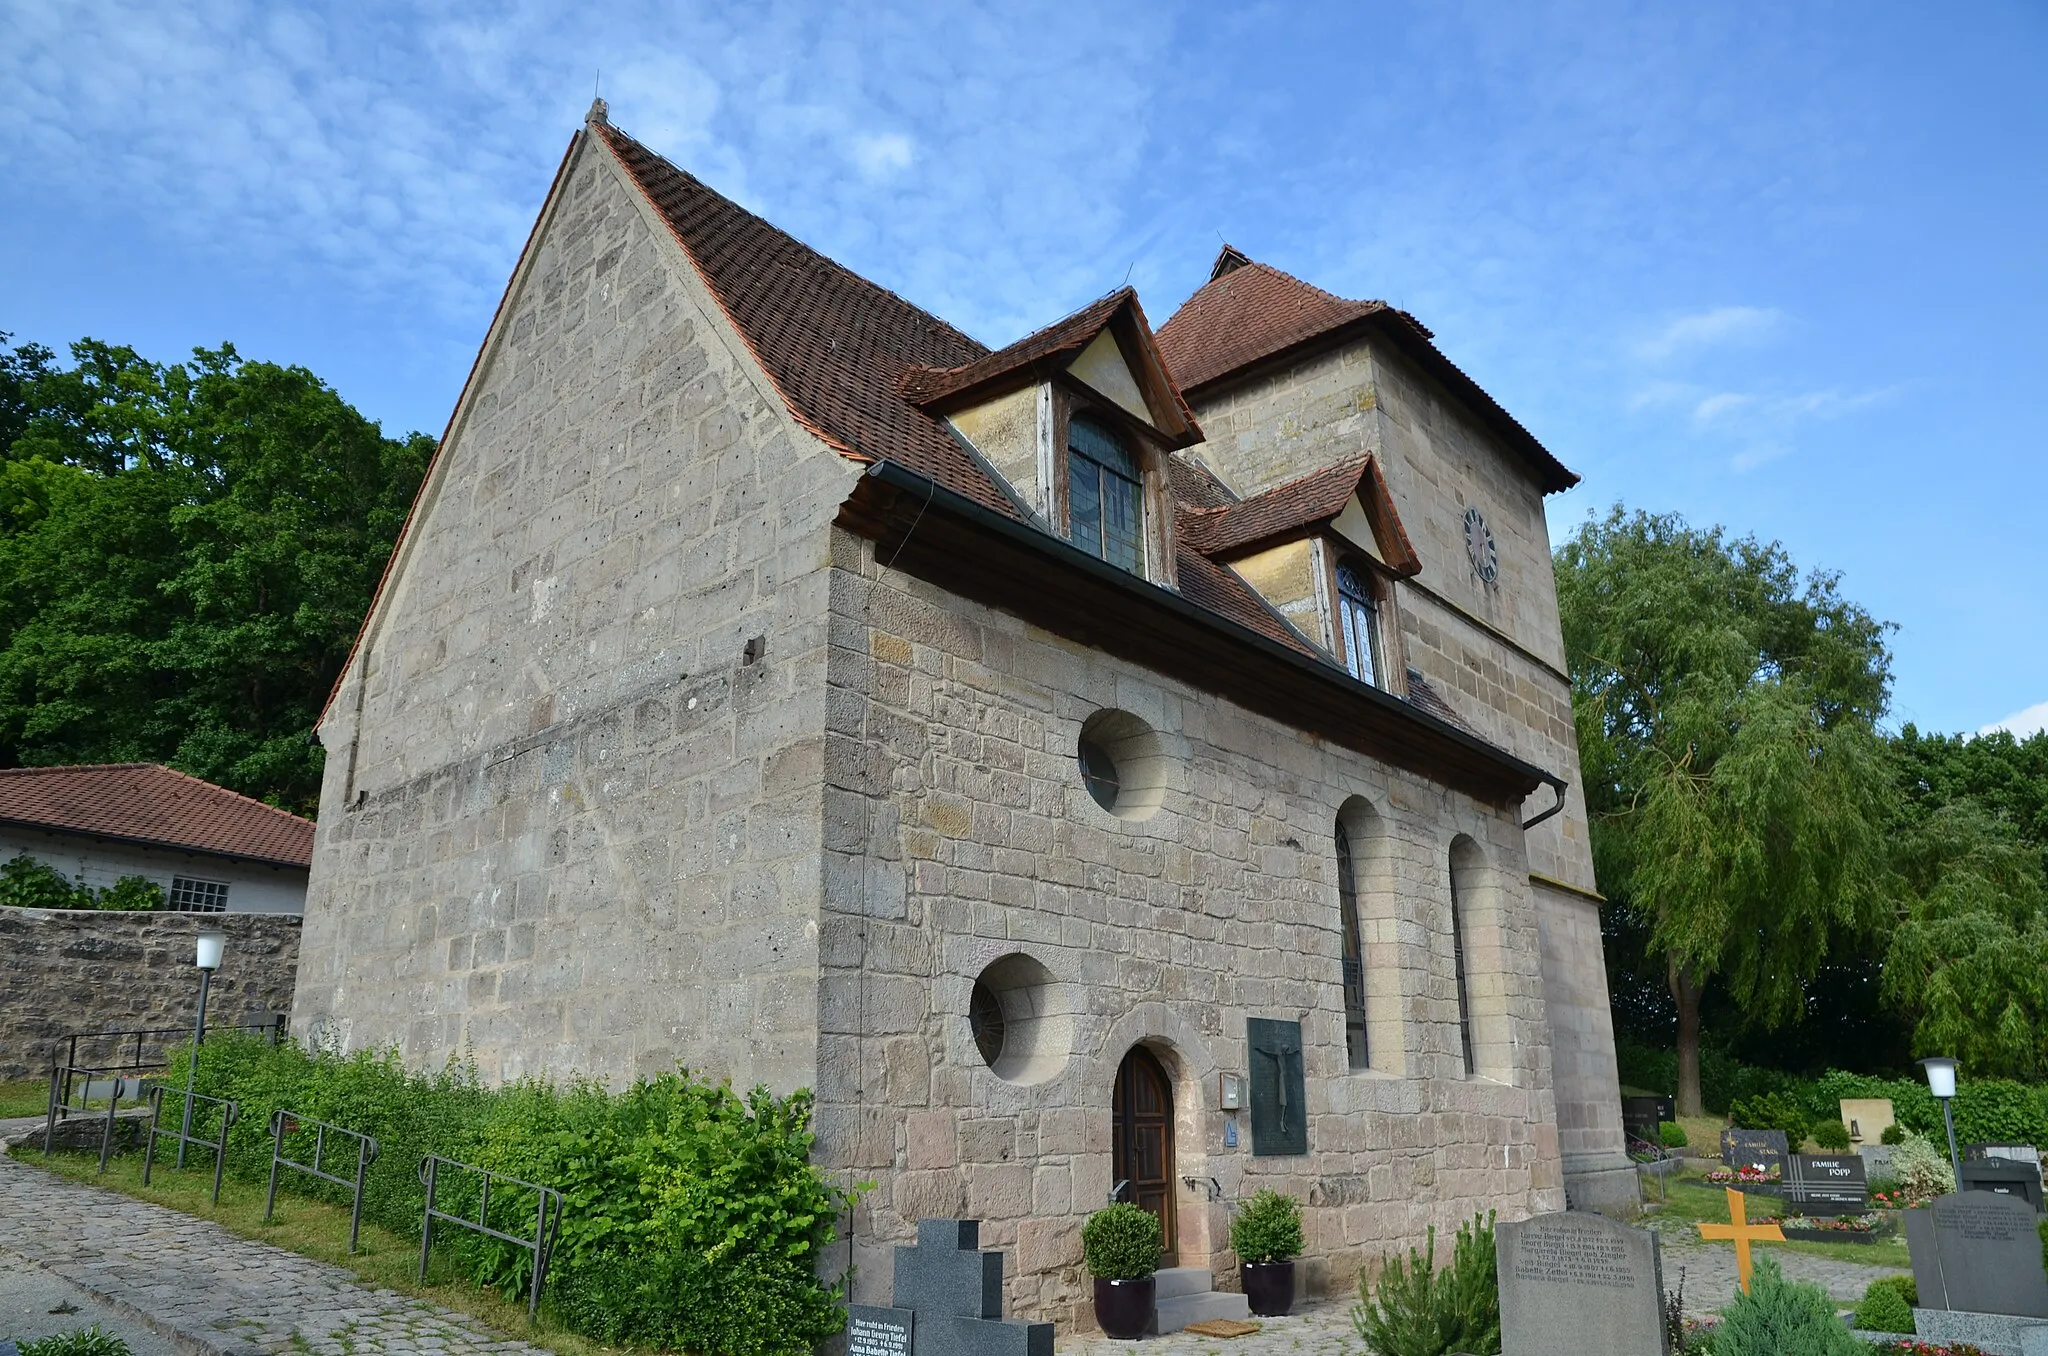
[{"x": 1142, "y": 1142}]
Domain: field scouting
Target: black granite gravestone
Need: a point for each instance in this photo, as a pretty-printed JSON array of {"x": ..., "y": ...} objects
[
  {"x": 1644, "y": 1117},
  {"x": 1754, "y": 1148},
  {"x": 947, "y": 1300},
  {"x": 2004, "y": 1177},
  {"x": 1832, "y": 1184}
]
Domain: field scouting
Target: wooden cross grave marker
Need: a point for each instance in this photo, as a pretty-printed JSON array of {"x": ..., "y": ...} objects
[{"x": 1743, "y": 1233}]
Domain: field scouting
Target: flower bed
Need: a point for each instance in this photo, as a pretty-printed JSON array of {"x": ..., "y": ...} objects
[
  {"x": 1835, "y": 1228},
  {"x": 1744, "y": 1178}
]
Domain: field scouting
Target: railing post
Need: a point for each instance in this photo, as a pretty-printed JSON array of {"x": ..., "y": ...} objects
[
  {"x": 107, "y": 1134},
  {"x": 540, "y": 1233},
  {"x": 50, "y": 1125},
  {"x": 156, "y": 1108},
  {"x": 220, "y": 1149},
  {"x": 355, "y": 1213},
  {"x": 277, "y": 1152},
  {"x": 427, "y": 1225}
]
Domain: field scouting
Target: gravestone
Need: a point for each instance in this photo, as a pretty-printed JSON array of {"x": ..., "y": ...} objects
[
  {"x": 1867, "y": 1118},
  {"x": 1576, "y": 1283},
  {"x": 1830, "y": 1184},
  {"x": 2004, "y": 1177},
  {"x": 946, "y": 1299},
  {"x": 1643, "y": 1117},
  {"x": 1977, "y": 1253},
  {"x": 1754, "y": 1149}
]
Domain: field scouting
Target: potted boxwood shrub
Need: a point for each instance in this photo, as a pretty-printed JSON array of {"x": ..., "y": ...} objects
[
  {"x": 1266, "y": 1235},
  {"x": 1121, "y": 1244}
]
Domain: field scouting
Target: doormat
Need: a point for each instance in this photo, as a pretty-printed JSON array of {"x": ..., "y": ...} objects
[{"x": 1221, "y": 1327}]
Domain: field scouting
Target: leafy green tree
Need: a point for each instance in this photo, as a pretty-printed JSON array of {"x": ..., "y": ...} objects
[
  {"x": 186, "y": 553},
  {"x": 1736, "y": 784},
  {"x": 1970, "y": 958}
]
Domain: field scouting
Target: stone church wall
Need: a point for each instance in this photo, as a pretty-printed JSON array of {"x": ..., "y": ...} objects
[
  {"x": 959, "y": 833},
  {"x": 74, "y": 970},
  {"x": 569, "y": 824},
  {"x": 1493, "y": 652}
]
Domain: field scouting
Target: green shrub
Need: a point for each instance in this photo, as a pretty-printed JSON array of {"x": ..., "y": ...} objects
[
  {"x": 1887, "y": 1306},
  {"x": 1893, "y": 1134},
  {"x": 1267, "y": 1228},
  {"x": 1773, "y": 1111},
  {"x": 1121, "y": 1242},
  {"x": 1831, "y": 1135},
  {"x": 1671, "y": 1135},
  {"x": 1417, "y": 1311},
  {"x": 1782, "y": 1318},
  {"x": 1924, "y": 1171},
  {"x": 81, "y": 1342},
  {"x": 26, "y": 883},
  {"x": 132, "y": 894},
  {"x": 692, "y": 1216}
]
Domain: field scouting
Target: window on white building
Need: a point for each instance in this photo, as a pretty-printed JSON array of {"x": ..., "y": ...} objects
[{"x": 198, "y": 896}]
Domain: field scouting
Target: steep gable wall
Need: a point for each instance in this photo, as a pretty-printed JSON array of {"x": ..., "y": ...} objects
[{"x": 567, "y": 825}]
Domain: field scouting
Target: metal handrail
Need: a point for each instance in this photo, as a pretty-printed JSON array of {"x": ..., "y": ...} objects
[
  {"x": 219, "y": 1146},
  {"x": 274, "y": 1029},
  {"x": 284, "y": 1123},
  {"x": 62, "y": 1085},
  {"x": 547, "y": 1223}
]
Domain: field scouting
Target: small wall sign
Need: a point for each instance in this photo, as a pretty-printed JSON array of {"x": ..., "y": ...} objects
[{"x": 1230, "y": 1093}]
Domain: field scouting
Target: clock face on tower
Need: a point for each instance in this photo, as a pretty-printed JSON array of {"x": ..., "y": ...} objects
[{"x": 1479, "y": 546}]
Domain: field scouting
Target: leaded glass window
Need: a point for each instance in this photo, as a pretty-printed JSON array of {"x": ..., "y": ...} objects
[
  {"x": 1354, "y": 956},
  {"x": 1105, "y": 496},
  {"x": 1358, "y": 619}
]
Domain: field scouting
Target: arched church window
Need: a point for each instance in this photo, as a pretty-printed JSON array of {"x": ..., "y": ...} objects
[
  {"x": 1105, "y": 495},
  {"x": 1460, "y": 890},
  {"x": 1354, "y": 956},
  {"x": 1358, "y": 622}
]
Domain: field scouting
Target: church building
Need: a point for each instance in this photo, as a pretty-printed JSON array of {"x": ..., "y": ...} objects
[{"x": 1129, "y": 763}]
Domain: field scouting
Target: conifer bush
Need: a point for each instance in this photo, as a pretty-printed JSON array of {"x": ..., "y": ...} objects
[
  {"x": 1671, "y": 1135},
  {"x": 1831, "y": 1135},
  {"x": 1415, "y": 1310},
  {"x": 1887, "y": 1305},
  {"x": 1782, "y": 1318}
]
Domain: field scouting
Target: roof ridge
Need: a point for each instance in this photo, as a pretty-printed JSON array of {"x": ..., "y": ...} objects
[
  {"x": 1115, "y": 295},
  {"x": 228, "y": 791}
]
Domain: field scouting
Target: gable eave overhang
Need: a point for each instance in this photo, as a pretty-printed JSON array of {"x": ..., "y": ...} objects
[
  {"x": 1172, "y": 419},
  {"x": 949, "y": 540},
  {"x": 1406, "y": 336}
]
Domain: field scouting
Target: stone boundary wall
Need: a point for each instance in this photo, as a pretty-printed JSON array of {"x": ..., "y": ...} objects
[{"x": 79, "y": 970}]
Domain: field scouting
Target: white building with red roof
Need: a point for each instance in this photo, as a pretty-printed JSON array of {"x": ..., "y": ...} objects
[{"x": 209, "y": 849}]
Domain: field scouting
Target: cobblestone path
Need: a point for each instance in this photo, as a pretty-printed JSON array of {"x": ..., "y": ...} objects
[{"x": 214, "y": 1291}]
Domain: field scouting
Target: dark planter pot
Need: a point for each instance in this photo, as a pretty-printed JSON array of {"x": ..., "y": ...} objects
[
  {"x": 1124, "y": 1308},
  {"x": 1268, "y": 1287}
]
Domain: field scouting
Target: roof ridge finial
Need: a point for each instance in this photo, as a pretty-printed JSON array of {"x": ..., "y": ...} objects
[{"x": 600, "y": 114}]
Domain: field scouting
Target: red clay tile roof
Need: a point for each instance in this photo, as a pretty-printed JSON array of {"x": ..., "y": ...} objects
[
  {"x": 147, "y": 803},
  {"x": 1251, "y": 312},
  {"x": 1210, "y": 585},
  {"x": 1047, "y": 351},
  {"x": 835, "y": 344},
  {"x": 1301, "y": 505},
  {"x": 1196, "y": 486}
]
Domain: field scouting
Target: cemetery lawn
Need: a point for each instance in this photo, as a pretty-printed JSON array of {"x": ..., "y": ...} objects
[
  {"x": 1692, "y": 1201},
  {"x": 318, "y": 1230},
  {"x": 28, "y": 1097}
]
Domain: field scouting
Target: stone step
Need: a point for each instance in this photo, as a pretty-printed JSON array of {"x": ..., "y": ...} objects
[
  {"x": 1171, "y": 1315},
  {"x": 1168, "y": 1282}
]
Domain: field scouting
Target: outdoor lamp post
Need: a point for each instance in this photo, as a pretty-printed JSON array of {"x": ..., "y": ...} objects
[
  {"x": 212, "y": 942},
  {"x": 1941, "y": 1081}
]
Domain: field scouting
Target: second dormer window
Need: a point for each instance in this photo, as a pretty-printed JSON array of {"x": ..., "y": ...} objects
[
  {"x": 1358, "y": 618},
  {"x": 1105, "y": 496}
]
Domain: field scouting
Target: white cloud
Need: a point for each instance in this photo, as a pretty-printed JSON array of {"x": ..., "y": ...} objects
[
  {"x": 880, "y": 156},
  {"x": 1705, "y": 329},
  {"x": 1714, "y": 406},
  {"x": 2021, "y": 724}
]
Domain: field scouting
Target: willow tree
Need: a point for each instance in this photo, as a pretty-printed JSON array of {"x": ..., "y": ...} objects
[{"x": 1726, "y": 710}]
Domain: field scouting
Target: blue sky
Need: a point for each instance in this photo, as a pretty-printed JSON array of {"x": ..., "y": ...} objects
[{"x": 1778, "y": 267}]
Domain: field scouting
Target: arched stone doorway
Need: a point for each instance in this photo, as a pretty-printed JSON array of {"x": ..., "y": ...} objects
[{"x": 1142, "y": 1140}]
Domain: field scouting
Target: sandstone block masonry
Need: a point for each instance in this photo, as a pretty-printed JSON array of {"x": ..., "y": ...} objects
[
  {"x": 959, "y": 837},
  {"x": 80, "y": 970}
]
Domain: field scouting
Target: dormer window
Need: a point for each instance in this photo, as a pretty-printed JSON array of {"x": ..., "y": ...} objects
[
  {"x": 1358, "y": 624},
  {"x": 1105, "y": 495}
]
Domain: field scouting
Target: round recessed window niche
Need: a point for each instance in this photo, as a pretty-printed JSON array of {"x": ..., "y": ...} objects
[
  {"x": 1122, "y": 764},
  {"x": 1018, "y": 1015}
]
